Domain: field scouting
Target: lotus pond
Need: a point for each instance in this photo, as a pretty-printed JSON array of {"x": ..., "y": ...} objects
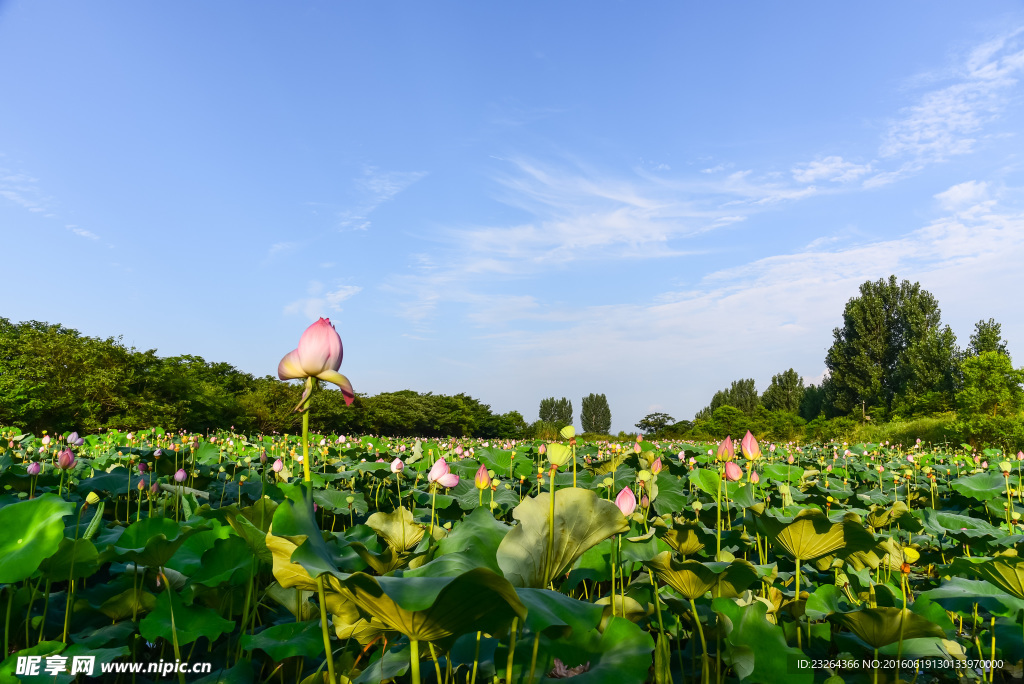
[{"x": 469, "y": 561}]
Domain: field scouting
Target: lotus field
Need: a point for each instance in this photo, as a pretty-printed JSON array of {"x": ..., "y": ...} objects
[{"x": 473, "y": 561}]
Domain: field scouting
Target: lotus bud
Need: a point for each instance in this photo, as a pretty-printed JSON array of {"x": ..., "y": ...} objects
[
  {"x": 754, "y": 477},
  {"x": 636, "y": 448},
  {"x": 180, "y": 476},
  {"x": 66, "y": 460},
  {"x": 34, "y": 468},
  {"x": 278, "y": 466},
  {"x": 141, "y": 485},
  {"x": 397, "y": 465},
  {"x": 644, "y": 501},
  {"x": 726, "y": 452},
  {"x": 142, "y": 467},
  {"x": 318, "y": 355},
  {"x": 656, "y": 466},
  {"x": 483, "y": 479},
  {"x": 626, "y": 501},
  {"x": 46, "y": 440},
  {"x": 789, "y": 460},
  {"x": 749, "y": 446},
  {"x": 732, "y": 471},
  {"x": 153, "y": 488}
]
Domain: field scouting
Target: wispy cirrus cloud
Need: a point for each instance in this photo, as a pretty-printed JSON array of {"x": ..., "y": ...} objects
[
  {"x": 22, "y": 189},
  {"x": 321, "y": 300},
  {"x": 375, "y": 187},
  {"x": 81, "y": 232}
]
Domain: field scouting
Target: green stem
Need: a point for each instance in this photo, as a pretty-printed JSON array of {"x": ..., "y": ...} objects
[
  {"x": 799, "y": 638},
  {"x": 476, "y": 658},
  {"x": 551, "y": 533},
  {"x": 704, "y": 659},
  {"x": 433, "y": 493},
  {"x": 46, "y": 607},
  {"x": 7, "y": 620},
  {"x": 323, "y": 628},
  {"x": 174, "y": 629},
  {"x": 437, "y": 666},
  {"x": 511, "y": 650},
  {"x": 533, "y": 660},
  {"x": 414, "y": 660},
  {"x": 718, "y": 514}
]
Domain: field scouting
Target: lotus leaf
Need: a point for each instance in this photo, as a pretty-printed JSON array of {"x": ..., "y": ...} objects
[
  {"x": 880, "y": 627},
  {"x": 30, "y": 531},
  {"x": 693, "y": 579},
  {"x": 397, "y": 528},
  {"x": 757, "y": 648}
]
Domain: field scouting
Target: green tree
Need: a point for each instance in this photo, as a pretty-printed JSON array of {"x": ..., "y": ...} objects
[
  {"x": 868, "y": 361},
  {"x": 933, "y": 374},
  {"x": 987, "y": 337},
  {"x": 556, "y": 411},
  {"x": 595, "y": 414},
  {"x": 785, "y": 392},
  {"x": 653, "y": 423},
  {"x": 991, "y": 386}
]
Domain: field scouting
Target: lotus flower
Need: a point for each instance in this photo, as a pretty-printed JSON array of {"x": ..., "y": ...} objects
[
  {"x": 732, "y": 471},
  {"x": 626, "y": 501},
  {"x": 34, "y": 468},
  {"x": 46, "y": 439},
  {"x": 66, "y": 460},
  {"x": 75, "y": 440},
  {"x": 656, "y": 466},
  {"x": 180, "y": 476},
  {"x": 441, "y": 474},
  {"x": 142, "y": 467},
  {"x": 397, "y": 465},
  {"x": 483, "y": 479},
  {"x": 754, "y": 477},
  {"x": 726, "y": 452},
  {"x": 278, "y": 466},
  {"x": 750, "y": 447},
  {"x": 317, "y": 356}
]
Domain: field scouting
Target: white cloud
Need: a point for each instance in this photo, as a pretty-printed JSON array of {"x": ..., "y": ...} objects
[
  {"x": 336, "y": 297},
  {"x": 81, "y": 232},
  {"x": 375, "y": 187},
  {"x": 321, "y": 301},
  {"x": 962, "y": 195},
  {"x": 834, "y": 169}
]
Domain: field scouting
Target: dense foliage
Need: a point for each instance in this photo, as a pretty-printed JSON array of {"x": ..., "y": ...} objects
[{"x": 595, "y": 414}]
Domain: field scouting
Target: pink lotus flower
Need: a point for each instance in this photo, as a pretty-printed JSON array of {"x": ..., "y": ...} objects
[
  {"x": 750, "y": 447},
  {"x": 656, "y": 466},
  {"x": 66, "y": 460},
  {"x": 726, "y": 450},
  {"x": 626, "y": 501},
  {"x": 636, "y": 447},
  {"x": 180, "y": 476},
  {"x": 789, "y": 460},
  {"x": 442, "y": 474},
  {"x": 34, "y": 468},
  {"x": 483, "y": 479},
  {"x": 46, "y": 440},
  {"x": 278, "y": 466},
  {"x": 732, "y": 471},
  {"x": 754, "y": 477},
  {"x": 318, "y": 356},
  {"x": 75, "y": 440},
  {"x": 142, "y": 467},
  {"x": 397, "y": 465}
]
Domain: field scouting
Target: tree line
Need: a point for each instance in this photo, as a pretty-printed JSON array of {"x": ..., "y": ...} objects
[
  {"x": 892, "y": 360},
  {"x": 54, "y": 378}
]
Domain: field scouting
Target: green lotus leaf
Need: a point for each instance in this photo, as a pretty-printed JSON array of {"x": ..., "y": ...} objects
[
  {"x": 880, "y": 627},
  {"x": 706, "y": 480},
  {"x": 228, "y": 561},
  {"x": 294, "y": 520},
  {"x": 78, "y": 556},
  {"x": 254, "y": 537},
  {"x": 556, "y": 614},
  {"x": 382, "y": 563},
  {"x": 152, "y": 541},
  {"x": 397, "y": 529},
  {"x": 581, "y": 520},
  {"x": 757, "y": 648},
  {"x": 286, "y": 640},
  {"x": 810, "y": 534},
  {"x": 190, "y": 622},
  {"x": 438, "y": 609},
  {"x": 687, "y": 538},
  {"x": 30, "y": 531},
  {"x": 883, "y": 518},
  {"x": 1006, "y": 572},
  {"x": 982, "y": 486},
  {"x": 824, "y": 601},
  {"x": 693, "y": 579}
]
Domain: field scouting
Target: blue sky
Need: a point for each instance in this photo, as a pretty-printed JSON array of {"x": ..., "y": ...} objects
[{"x": 514, "y": 200}]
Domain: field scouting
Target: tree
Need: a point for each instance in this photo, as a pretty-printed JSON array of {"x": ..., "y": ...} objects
[
  {"x": 987, "y": 336},
  {"x": 785, "y": 392},
  {"x": 868, "y": 361},
  {"x": 741, "y": 394},
  {"x": 556, "y": 411},
  {"x": 595, "y": 414},
  {"x": 992, "y": 386},
  {"x": 653, "y": 423},
  {"x": 933, "y": 374}
]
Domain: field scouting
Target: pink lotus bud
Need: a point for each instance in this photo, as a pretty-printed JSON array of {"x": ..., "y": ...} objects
[
  {"x": 263, "y": 457},
  {"x": 318, "y": 355},
  {"x": 397, "y": 465},
  {"x": 315, "y": 507},
  {"x": 656, "y": 466},
  {"x": 448, "y": 480},
  {"x": 278, "y": 466},
  {"x": 750, "y": 447},
  {"x": 644, "y": 501},
  {"x": 639, "y": 438},
  {"x": 66, "y": 460},
  {"x": 46, "y": 440},
  {"x": 789, "y": 460},
  {"x": 1020, "y": 455},
  {"x": 636, "y": 448},
  {"x": 732, "y": 471},
  {"x": 34, "y": 468},
  {"x": 401, "y": 449},
  {"x": 726, "y": 450},
  {"x": 180, "y": 476},
  {"x": 129, "y": 436},
  {"x": 772, "y": 448},
  {"x": 754, "y": 477},
  {"x": 158, "y": 453},
  {"x": 542, "y": 449},
  {"x": 984, "y": 464},
  {"x": 626, "y": 501},
  {"x": 142, "y": 467},
  {"x": 438, "y": 470},
  {"x": 458, "y": 450},
  {"x": 141, "y": 486},
  {"x": 482, "y": 480},
  {"x": 154, "y": 488}
]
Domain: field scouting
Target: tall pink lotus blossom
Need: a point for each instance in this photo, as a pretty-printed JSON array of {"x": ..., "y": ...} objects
[
  {"x": 397, "y": 465},
  {"x": 66, "y": 460},
  {"x": 626, "y": 501},
  {"x": 726, "y": 452},
  {"x": 442, "y": 474},
  {"x": 180, "y": 475},
  {"x": 754, "y": 477},
  {"x": 732, "y": 471},
  {"x": 483, "y": 478},
  {"x": 318, "y": 356},
  {"x": 278, "y": 466},
  {"x": 751, "y": 449}
]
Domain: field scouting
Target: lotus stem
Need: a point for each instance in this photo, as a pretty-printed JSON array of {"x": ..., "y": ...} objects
[
  {"x": 533, "y": 660},
  {"x": 511, "y": 650},
  {"x": 476, "y": 658},
  {"x": 657, "y": 600},
  {"x": 46, "y": 606},
  {"x": 414, "y": 660},
  {"x": 611, "y": 560},
  {"x": 992, "y": 670},
  {"x": 718, "y": 514},
  {"x": 433, "y": 493},
  {"x": 799, "y": 638},
  {"x": 69, "y": 604},
  {"x": 174, "y": 629},
  {"x": 551, "y": 532},
  {"x": 7, "y": 619},
  {"x": 704, "y": 659},
  {"x": 437, "y": 666}
]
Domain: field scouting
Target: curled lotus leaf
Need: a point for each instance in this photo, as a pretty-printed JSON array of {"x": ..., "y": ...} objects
[
  {"x": 397, "y": 528},
  {"x": 810, "y": 534},
  {"x": 693, "y": 579},
  {"x": 883, "y": 518},
  {"x": 686, "y": 538},
  {"x": 880, "y": 627},
  {"x": 1006, "y": 572}
]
